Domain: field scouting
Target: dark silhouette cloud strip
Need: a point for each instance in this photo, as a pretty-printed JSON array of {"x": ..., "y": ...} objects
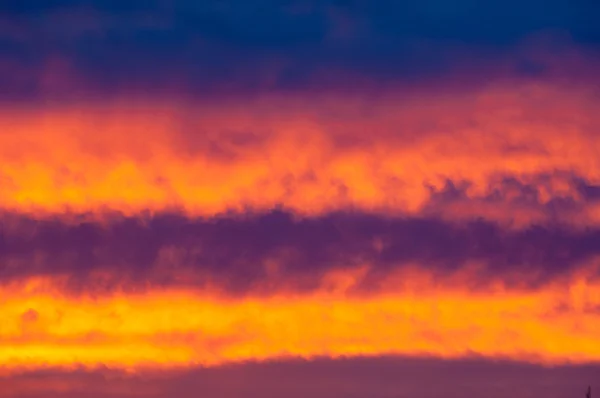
[{"x": 238, "y": 252}]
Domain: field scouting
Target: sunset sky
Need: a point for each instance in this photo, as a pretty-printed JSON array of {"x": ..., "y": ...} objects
[{"x": 299, "y": 198}]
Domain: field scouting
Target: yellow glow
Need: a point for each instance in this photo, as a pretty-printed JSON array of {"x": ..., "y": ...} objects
[{"x": 411, "y": 314}]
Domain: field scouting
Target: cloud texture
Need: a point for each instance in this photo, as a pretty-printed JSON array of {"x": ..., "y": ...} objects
[{"x": 221, "y": 188}]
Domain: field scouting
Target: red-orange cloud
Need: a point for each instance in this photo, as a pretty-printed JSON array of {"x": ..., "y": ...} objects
[
  {"x": 309, "y": 154},
  {"x": 521, "y": 153}
]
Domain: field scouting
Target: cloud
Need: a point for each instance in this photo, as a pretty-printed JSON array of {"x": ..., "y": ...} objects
[
  {"x": 390, "y": 152},
  {"x": 178, "y": 180},
  {"x": 241, "y": 254},
  {"x": 373, "y": 377},
  {"x": 413, "y": 313},
  {"x": 166, "y": 291}
]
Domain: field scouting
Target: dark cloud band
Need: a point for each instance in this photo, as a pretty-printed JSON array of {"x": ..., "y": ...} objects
[
  {"x": 374, "y": 377},
  {"x": 241, "y": 252}
]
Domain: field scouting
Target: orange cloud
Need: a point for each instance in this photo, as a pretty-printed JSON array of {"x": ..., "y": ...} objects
[
  {"x": 308, "y": 154},
  {"x": 411, "y": 314}
]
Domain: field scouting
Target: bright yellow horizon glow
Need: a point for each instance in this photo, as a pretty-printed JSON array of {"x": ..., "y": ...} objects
[{"x": 411, "y": 315}]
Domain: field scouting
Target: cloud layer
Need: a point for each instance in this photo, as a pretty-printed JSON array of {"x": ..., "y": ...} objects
[
  {"x": 411, "y": 314},
  {"x": 258, "y": 253},
  {"x": 191, "y": 184},
  {"x": 373, "y": 377},
  {"x": 516, "y": 153}
]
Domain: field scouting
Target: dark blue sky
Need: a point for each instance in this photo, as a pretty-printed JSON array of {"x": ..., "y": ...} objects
[{"x": 241, "y": 45}]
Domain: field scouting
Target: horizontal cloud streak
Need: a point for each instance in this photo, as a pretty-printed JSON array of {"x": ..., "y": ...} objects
[
  {"x": 411, "y": 314},
  {"x": 517, "y": 153},
  {"x": 373, "y": 377},
  {"x": 243, "y": 253}
]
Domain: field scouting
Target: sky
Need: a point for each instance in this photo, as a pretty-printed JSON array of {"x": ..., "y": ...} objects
[{"x": 293, "y": 198}]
